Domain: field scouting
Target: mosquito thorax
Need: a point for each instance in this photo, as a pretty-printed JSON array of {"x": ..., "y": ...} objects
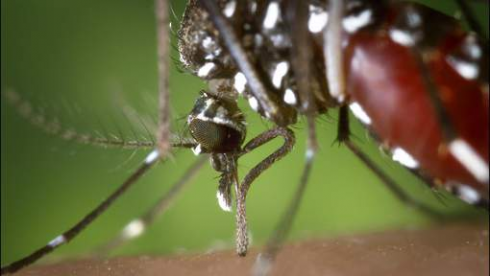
[{"x": 217, "y": 124}]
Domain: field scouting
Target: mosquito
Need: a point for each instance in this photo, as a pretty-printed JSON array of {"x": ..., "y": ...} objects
[{"x": 218, "y": 127}]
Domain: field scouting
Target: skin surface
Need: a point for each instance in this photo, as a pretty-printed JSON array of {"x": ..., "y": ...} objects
[{"x": 455, "y": 249}]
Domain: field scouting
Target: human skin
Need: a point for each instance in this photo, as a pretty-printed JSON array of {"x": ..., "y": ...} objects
[{"x": 453, "y": 249}]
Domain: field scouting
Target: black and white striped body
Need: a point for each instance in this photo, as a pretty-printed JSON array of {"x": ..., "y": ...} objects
[{"x": 264, "y": 28}]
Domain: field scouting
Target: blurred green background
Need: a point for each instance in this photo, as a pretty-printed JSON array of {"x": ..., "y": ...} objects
[{"x": 79, "y": 62}]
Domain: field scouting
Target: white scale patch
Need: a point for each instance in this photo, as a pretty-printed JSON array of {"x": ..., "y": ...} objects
[
  {"x": 414, "y": 19},
  {"x": 221, "y": 112},
  {"x": 278, "y": 40},
  {"x": 208, "y": 42},
  {"x": 280, "y": 71},
  {"x": 152, "y": 157},
  {"x": 197, "y": 150},
  {"x": 466, "y": 69},
  {"x": 222, "y": 202},
  {"x": 253, "y": 7},
  {"x": 133, "y": 229},
  {"x": 355, "y": 22},
  {"x": 360, "y": 114},
  {"x": 258, "y": 39},
  {"x": 474, "y": 51},
  {"x": 404, "y": 158},
  {"x": 289, "y": 97},
  {"x": 57, "y": 241},
  {"x": 254, "y": 104},
  {"x": 468, "y": 194},
  {"x": 239, "y": 82},
  {"x": 183, "y": 60},
  {"x": 230, "y": 9},
  {"x": 205, "y": 69},
  {"x": 402, "y": 37},
  {"x": 318, "y": 19},
  {"x": 470, "y": 159},
  {"x": 272, "y": 15}
]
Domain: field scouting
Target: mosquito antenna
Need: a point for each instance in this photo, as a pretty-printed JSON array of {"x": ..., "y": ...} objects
[{"x": 70, "y": 234}]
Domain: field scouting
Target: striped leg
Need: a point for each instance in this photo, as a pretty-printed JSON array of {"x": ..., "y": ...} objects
[
  {"x": 344, "y": 138},
  {"x": 136, "y": 227},
  {"x": 163, "y": 148},
  {"x": 70, "y": 234}
]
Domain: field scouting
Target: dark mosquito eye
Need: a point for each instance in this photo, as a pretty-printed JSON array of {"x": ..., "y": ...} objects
[
  {"x": 216, "y": 124},
  {"x": 214, "y": 137}
]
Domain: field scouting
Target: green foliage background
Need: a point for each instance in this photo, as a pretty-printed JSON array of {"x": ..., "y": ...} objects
[{"x": 77, "y": 61}]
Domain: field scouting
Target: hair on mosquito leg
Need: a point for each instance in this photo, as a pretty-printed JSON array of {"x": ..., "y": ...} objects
[
  {"x": 242, "y": 190},
  {"x": 53, "y": 127},
  {"x": 265, "y": 259}
]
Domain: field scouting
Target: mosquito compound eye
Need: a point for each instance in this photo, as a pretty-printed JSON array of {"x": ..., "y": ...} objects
[
  {"x": 215, "y": 137},
  {"x": 216, "y": 124}
]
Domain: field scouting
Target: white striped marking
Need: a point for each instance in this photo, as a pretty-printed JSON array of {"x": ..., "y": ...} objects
[
  {"x": 466, "y": 69},
  {"x": 401, "y": 37},
  {"x": 222, "y": 202},
  {"x": 355, "y": 22},
  {"x": 289, "y": 97},
  {"x": 272, "y": 15},
  {"x": 281, "y": 70},
  {"x": 208, "y": 42},
  {"x": 254, "y": 104},
  {"x": 468, "y": 194},
  {"x": 360, "y": 114},
  {"x": 197, "y": 150},
  {"x": 133, "y": 229},
  {"x": 205, "y": 69},
  {"x": 404, "y": 158},
  {"x": 239, "y": 82},
  {"x": 57, "y": 241},
  {"x": 152, "y": 157},
  {"x": 318, "y": 19},
  {"x": 470, "y": 159},
  {"x": 230, "y": 8}
]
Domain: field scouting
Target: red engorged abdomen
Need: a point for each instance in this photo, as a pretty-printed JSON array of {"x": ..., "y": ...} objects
[{"x": 383, "y": 77}]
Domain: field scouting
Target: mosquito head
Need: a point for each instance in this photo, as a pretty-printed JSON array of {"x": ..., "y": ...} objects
[{"x": 217, "y": 124}]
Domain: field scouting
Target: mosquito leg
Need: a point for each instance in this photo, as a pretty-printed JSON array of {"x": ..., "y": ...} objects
[
  {"x": 332, "y": 37},
  {"x": 429, "y": 183},
  {"x": 264, "y": 260},
  {"x": 163, "y": 135},
  {"x": 53, "y": 127},
  {"x": 470, "y": 17},
  {"x": 137, "y": 226},
  {"x": 343, "y": 137},
  {"x": 70, "y": 234},
  {"x": 289, "y": 140}
]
